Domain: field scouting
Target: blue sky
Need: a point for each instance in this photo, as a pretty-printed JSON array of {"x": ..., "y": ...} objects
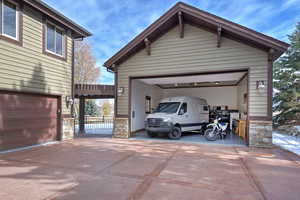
[{"x": 114, "y": 23}]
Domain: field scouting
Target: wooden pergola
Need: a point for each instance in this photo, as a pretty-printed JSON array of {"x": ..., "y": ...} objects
[{"x": 91, "y": 91}]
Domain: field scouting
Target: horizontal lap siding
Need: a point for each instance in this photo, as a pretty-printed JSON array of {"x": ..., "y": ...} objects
[
  {"x": 197, "y": 52},
  {"x": 26, "y": 68}
]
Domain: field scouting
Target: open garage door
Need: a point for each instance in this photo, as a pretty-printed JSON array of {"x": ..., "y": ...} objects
[
  {"x": 226, "y": 94},
  {"x": 27, "y": 119}
]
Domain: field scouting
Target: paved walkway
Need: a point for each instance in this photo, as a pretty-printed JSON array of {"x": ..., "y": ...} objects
[
  {"x": 113, "y": 169},
  {"x": 290, "y": 143}
]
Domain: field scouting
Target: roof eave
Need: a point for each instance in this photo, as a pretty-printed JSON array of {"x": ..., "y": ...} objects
[
  {"x": 268, "y": 42},
  {"x": 79, "y": 31}
]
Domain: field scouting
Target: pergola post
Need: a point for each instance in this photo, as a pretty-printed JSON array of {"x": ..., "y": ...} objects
[{"x": 81, "y": 115}]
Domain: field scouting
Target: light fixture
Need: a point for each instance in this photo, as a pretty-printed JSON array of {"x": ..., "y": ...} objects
[
  {"x": 69, "y": 101},
  {"x": 217, "y": 82},
  {"x": 121, "y": 91},
  {"x": 260, "y": 84}
]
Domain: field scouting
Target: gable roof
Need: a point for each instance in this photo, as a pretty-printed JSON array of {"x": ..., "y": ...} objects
[
  {"x": 200, "y": 18},
  {"x": 78, "y": 30}
]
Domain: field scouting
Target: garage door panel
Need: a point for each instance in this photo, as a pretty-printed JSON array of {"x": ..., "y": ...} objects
[
  {"x": 27, "y": 120},
  {"x": 23, "y": 142},
  {"x": 22, "y": 99},
  {"x": 29, "y": 135},
  {"x": 34, "y": 115},
  {"x": 30, "y": 107},
  {"x": 28, "y": 124},
  {"x": 28, "y": 132}
]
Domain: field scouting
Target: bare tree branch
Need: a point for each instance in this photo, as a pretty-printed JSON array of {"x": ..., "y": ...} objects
[{"x": 86, "y": 71}]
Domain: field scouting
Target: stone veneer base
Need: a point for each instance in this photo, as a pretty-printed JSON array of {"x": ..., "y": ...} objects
[
  {"x": 260, "y": 133},
  {"x": 67, "y": 128},
  {"x": 121, "y": 128}
]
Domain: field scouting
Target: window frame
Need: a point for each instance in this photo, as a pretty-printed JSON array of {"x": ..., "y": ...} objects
[
  {"x": 62, "y": 56},
  {"x": 19, "y": 21},
  {"x": 181, "y": 107},
  {"x": 147, "y": 104}
]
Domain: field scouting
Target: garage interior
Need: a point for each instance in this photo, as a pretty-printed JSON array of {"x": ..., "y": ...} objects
[{"x": 226, "y": 94}]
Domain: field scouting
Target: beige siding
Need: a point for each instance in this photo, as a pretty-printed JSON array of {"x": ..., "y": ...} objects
[
  {"x": 196, "y": 52},
  {"x": 26, "y": 68}
]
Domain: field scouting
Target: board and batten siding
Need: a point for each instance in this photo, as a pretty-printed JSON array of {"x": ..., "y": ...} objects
[
  {"x": 26, "y": 68},
  {"x": 197, "y": 52}
]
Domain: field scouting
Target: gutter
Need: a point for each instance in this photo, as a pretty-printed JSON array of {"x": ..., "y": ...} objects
[
  {"x": 49, "y": 11},
  {"x": 72, "y": 78}
]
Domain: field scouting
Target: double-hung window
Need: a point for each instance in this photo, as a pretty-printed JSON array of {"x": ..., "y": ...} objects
[
  {"x": 55, "y": 40},
  {"x": 9, "y": 19}
]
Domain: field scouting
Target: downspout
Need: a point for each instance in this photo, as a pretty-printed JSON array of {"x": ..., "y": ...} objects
[{"x": 72, "y": 78}]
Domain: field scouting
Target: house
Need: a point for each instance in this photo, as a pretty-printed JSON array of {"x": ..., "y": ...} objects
[
  {"x": 36, "y": 73},
  {"x": 190, "y": 52}
]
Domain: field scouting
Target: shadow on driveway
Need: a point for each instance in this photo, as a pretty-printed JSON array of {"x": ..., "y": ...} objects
[{"x": 105, "y": 168}]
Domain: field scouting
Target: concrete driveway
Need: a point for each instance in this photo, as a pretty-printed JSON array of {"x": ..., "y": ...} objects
[{"x": 104, "y": 168}]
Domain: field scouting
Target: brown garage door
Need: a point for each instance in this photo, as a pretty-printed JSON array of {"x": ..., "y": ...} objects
[{"x": 27, "y": 119}]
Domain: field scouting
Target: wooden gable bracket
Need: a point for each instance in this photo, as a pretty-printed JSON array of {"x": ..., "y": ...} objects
[
  {"x": 181, "y": 25},
  {"x": 148, "y": 46},
  {"x": 271, "y": 55},
  {"x": 219, "y": 33}
]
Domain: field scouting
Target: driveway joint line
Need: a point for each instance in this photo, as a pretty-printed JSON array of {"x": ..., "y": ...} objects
[
  {"x": 284, "y": 153},
  {"x": 253, "y": 179},
  {"x": 106, "y": 169},
  {"x": 143, "y": 187}
]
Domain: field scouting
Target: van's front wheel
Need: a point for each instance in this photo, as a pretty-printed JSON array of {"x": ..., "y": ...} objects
[
  {"x": 210, "y": 134},
  {"x": 175, "y": 134}
]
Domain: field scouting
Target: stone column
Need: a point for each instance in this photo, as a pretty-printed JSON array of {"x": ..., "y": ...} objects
[
  {"x": 67, "y": 128},
  {"x": 81, "y": 115},
  {"x": 121, "y": 128},
  {"x": 260, "y": 133}
]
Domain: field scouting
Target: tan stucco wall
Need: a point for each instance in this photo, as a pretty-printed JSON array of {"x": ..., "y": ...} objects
[
  {"x": 197, "y": 52},
  {"x": 26, "y": 68}
]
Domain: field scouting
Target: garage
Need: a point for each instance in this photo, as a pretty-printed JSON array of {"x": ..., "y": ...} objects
[
  {"x": 189, "y": 52},
  {"x": 27, "y": 119},
  {"x": 225, "y": 93}
]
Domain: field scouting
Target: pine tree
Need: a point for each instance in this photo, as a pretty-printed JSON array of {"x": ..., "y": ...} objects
[
  {"x": 286, "y": 99},
  {"x": 91, "y": 108}
]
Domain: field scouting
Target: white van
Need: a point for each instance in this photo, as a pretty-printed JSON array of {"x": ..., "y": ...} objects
[{"x": 177, "y": 114}]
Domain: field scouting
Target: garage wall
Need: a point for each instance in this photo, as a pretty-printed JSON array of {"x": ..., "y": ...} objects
[
  {"x": 242, "y": 89},
  {"x": 139, "y": 91},
  {"x": 196, "y": 52},
  {"x": 215, "y": 96},
  {"x": 26, "y": 68}
]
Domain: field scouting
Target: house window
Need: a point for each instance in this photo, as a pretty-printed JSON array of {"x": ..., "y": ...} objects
[
  {"x": 55, "y": 40},
  {"x": 9, "y": 19}
]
